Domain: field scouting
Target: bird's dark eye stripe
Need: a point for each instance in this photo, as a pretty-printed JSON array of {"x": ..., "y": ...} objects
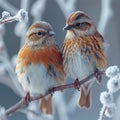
[{"x": 77, "y": 25}]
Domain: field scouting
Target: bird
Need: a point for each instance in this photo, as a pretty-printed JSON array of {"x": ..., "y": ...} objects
[
  {"x": 83, "y": 53},
  {"x": 39, "y": 64}
]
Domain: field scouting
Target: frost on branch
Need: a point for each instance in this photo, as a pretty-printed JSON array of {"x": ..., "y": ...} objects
[
  {"x": 110, "y": 111},
  {"x": 106, "y": 98},
  {"x": 113, "y": 84},
  {"x": 2, "y": 113},
  {"x": 5, "y": 15},
  {"x": 112, "y": 71},
  {"x": 21, "y": 16}
]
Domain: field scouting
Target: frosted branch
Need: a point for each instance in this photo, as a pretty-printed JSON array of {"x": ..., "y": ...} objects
[
  {"x": 21, "y": 15},
  {"x": 106, "y": 98},
  {"x": 22, "y": 104},
  {"x": 25, "y": 4},
  {"x": 102, "y": 112},
  {"x": 6, "y": 65}
]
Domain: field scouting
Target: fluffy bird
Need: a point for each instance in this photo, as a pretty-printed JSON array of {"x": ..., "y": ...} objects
[
  {"x": 83, "y": 53},
  {"x": 39, "y": 63}
]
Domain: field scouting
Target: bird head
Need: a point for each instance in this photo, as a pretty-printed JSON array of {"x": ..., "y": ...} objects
[
  {"x": 40, "y": 34},
  {"x": 79, "y": 24}
]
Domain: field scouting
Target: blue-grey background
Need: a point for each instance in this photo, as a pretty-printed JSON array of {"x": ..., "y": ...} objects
[{"x": 54, "y": 15}]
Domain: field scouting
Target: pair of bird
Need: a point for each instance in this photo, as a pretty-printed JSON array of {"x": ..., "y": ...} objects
[{"x": 40, "y": 64}]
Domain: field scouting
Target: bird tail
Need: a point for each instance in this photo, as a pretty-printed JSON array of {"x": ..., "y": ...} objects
[
  {"x": 85, "y": 99},
  {"x": 46, "y": 105}
]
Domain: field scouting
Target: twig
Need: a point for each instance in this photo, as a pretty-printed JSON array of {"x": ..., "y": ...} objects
[
  {"x": 22, "y": 104},
  {"x": 11, "y": 19},
  {"x": 21, "y": 15},
  {"x": 102, "y": 113}
]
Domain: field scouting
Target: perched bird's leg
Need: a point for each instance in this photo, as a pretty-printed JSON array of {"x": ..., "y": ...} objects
[
  {"x": 76, "y": 84},
  {"x": 26, "y": 99},
  {"x": 98, "y": 75}
]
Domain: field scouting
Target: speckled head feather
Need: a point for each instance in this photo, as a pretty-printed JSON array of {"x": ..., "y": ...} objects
[{"x": 76, "y": 16}]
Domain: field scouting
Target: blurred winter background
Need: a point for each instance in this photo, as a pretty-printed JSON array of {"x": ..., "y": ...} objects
[{"x": 105, "y": 14}]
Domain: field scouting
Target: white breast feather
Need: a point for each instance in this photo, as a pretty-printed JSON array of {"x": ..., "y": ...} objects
[
  {"x": 37, "y": 80},
  {"x": 78, "y": 67}
]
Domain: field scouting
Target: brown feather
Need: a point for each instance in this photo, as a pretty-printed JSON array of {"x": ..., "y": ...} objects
[
  {"x": 27, "y": 56},
  {"x": 84, "y": 101},
  {"x": 46, "y": 105}
]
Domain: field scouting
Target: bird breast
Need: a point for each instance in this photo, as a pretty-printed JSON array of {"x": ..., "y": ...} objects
[
  {"x": 38, "y": 70},
  {"x": 75, "y": 63}
]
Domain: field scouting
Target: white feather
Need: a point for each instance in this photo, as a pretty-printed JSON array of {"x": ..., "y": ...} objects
[
  {"x": 37, "y": 80},
  {"x": 79, "y": 68}
]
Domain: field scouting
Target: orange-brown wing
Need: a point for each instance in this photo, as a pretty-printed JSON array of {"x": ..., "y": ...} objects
[
  {"x": 92, "y": 47},
  {"x": 51, "y": 58},
  {"x": 54, "y": 63}
]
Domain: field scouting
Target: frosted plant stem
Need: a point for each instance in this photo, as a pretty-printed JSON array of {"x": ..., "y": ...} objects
[
  {"x": 102, "y": 112},
  {"x": 25, "y": 6}
]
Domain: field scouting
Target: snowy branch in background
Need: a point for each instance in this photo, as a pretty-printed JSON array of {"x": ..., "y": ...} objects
[
  {"x": 21, "y": 27},
  {"x": 106, "y": 97},
  {"x": 21, "y": 15},
  {"x": 66, "y": 6},
  {"x": 106, "y": 14},
  {"x": 25, "y": 4},
  {"x": 38, "y": 9},
  {"x": 6, "y": 64}
]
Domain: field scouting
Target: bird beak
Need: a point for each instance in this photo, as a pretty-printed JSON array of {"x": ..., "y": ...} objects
[
  {"x": 67, "y": 27},
  {"x": 51, "y": 33}
]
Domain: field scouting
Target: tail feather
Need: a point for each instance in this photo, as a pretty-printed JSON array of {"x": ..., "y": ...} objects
[
  {"x": 84, "y": 100},
  {"x": 46, "y": 105}
]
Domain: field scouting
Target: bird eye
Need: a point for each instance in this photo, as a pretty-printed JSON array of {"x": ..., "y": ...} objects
[
  {"x": 78, "y": 24},
  {"x": 39, "y": 33}
]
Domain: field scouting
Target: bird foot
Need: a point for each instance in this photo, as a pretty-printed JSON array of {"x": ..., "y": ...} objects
[
  {"x": 98, "y": 75},
  {"x": 26, "y": 99},
  {"x": 76, "y": 84}
]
